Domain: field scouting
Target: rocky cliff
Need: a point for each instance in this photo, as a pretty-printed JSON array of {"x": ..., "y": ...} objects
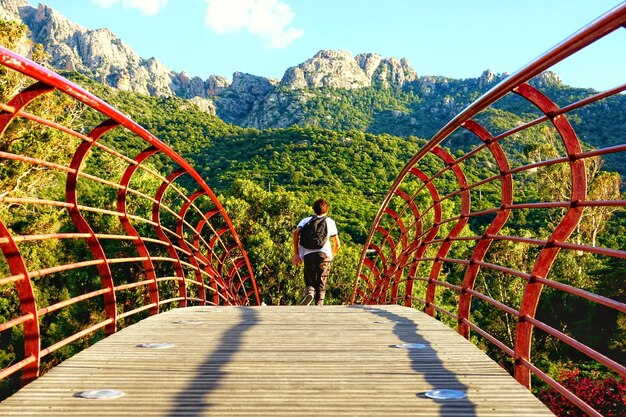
[
  {"x": 261, "y": 103},
  {"x": 339, "y": 69},
  {"x": 101, "y": 55},
  {"x": 249, "y": 100},
  {"x": 9, "y": 9}
]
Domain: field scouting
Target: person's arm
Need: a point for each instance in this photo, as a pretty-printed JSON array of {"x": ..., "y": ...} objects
[
  {"x": 296, "y": 238},
  {"x": 335, "y": 244}
]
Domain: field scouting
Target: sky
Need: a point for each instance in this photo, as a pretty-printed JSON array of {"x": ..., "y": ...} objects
[{"x": 453, "y": 38}]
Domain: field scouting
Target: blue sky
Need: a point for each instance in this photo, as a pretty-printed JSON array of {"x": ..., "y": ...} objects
[{"x": 455, "y": 38}]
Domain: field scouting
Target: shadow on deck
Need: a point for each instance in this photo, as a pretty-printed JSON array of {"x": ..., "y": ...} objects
[{"x": 259, "y": 361}]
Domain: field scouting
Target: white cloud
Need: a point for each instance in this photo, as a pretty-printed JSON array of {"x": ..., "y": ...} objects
[
  {"x": 268, "y": 19},
  {"x": 149, "y": 7}
]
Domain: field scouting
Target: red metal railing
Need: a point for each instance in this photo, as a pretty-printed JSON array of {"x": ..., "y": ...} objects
[
  {"x": 151, "y": 244},
  {"x": 444, "y": 237}
]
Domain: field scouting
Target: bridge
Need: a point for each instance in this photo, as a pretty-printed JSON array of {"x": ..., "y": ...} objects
[{"x": 166, "y": 289}]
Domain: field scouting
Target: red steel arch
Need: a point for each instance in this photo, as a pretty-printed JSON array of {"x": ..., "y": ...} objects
[
  {"x": 187, "y": 251},
  {"x": 181, "y": 244},
  {"x": 420, "y": 270}
]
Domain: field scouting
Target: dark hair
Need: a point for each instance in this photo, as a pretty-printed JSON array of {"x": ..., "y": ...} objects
[{"x": 320, "y": 206}]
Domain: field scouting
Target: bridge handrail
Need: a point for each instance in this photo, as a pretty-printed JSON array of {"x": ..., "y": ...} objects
[
  {"x": 194, "y": 255},
  {"x": 413, "y": 240}
]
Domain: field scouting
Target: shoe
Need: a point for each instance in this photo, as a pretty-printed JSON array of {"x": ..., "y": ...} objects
[{"x": 307, "y": 300}]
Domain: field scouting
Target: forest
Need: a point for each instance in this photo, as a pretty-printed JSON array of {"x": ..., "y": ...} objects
[{"x": 268, "y": 179}]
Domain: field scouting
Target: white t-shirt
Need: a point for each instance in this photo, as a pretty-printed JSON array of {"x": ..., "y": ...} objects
[{"x": 332, "y": 231}]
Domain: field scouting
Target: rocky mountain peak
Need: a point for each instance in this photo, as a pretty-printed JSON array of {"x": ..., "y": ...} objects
[
  {"x": 336, "y": 69},
  {"x": 486, "y": 78},
  {"x": 339, "y": 69},
  {"x": 333, "y": 55},
  {"x": 547, "y": 78},
  {"x": 369, "y": 62},
  {"x": 47, "y": 25},
  {"x": 216, "y": 84},
  {"x": 99, "y": 54},
  {"x": 392, "y": 72},
  {"x": 252, "y": 84}
]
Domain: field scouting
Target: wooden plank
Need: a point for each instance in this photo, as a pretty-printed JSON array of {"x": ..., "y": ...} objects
[{"x": 259, "y": 361}]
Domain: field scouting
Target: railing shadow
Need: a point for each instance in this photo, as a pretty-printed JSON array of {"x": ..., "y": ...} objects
[
  {"x": 434, "y": 371},
  {"x": 192, "y": 400}
]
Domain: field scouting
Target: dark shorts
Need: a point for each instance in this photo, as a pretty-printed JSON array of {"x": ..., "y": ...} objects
[{"x": 316, "y": 270}]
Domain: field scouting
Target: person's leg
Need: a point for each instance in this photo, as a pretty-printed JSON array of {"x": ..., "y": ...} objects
[
  {"x": 322, "y": 273},
  {"x": 310, "y": 274}
]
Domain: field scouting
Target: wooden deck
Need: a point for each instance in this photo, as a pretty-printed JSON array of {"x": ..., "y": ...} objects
[{"x": 262, "y": 361}]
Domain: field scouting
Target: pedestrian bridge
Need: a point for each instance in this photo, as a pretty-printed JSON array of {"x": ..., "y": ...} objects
[
  {"x": 262, "y": 361},
  {"x": 145, "y": 253}
]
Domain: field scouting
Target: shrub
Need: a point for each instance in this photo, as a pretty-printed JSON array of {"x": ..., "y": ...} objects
[{"x": 606, "y": 394}]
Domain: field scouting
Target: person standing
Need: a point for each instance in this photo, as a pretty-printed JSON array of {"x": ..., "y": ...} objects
[{"x": 316, "y": 242}]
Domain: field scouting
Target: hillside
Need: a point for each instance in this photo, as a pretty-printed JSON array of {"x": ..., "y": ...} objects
[{"x": 332, "y": 90}]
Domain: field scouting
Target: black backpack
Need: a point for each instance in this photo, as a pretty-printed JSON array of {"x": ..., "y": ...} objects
[{"x": 314, "y": 234}]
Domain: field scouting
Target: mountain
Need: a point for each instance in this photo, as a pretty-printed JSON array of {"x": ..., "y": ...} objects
[
  {"x": 332, "y": 90},
  {"x": 100, "y": 55},
  {"x": 339, "y": 69},
  {"x": 248, "y": 100}
]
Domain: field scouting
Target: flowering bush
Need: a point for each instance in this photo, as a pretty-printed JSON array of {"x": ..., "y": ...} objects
[{"x": 606, "y": 395}]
